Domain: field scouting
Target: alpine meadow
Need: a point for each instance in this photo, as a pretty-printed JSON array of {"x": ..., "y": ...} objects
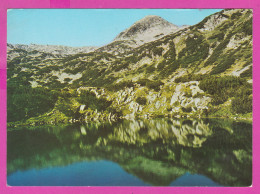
[{"x": 160, "y": 105}]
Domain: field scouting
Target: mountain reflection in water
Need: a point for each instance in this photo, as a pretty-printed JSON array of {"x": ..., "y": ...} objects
[{"x": 155, "y": 152}]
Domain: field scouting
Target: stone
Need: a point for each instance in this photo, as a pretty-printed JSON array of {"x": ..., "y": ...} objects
[
  {"x": 82, "y": 107},
  {"x": 157, "y": 104}
]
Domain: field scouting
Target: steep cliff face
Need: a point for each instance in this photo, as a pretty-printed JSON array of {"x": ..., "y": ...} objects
[{"x": 153, "y": 68}]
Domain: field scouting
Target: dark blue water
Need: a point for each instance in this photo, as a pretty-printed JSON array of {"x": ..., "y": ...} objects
[
  {"x": 98, "y": 173},
  {"x": 194, "y": 180},
  {"x": 160, "y": 152}
]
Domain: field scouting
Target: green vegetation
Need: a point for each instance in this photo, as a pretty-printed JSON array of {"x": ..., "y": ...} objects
[
  {"x": 247, "y": 73},
  {"x": 169, "y": 64},
  {"x": 158, "y": 51},
  {"x": 25, "y": 102},
  {"x": 151, "y": 84},
  {"x": 196, "y": 50},
  {"x": 223, "y": 88},
  {"x": 236, "y": 15},
  {"x": 191, "y": 77},
  {"x": 141, "y": 100},
  {"x": 217, "y": 51},
  {"x": 242, "y": 103},
  {"x": 218, "y": 36},
  {"x": 225, "y": 63},
  {"x": 121, "y": 66},
  {"x": 120, "y": 85},
  {"x": 91, "y": 101}
]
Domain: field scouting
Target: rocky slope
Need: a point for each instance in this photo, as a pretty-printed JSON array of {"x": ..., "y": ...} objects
[{"x": 201, "y": 70}]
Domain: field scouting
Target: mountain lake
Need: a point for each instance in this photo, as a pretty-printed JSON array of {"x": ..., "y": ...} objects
[{"x": 154, "y": 152}]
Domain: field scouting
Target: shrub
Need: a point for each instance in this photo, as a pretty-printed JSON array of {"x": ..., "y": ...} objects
[
  {"x": 218, "y": 51},
  {"x": 226, "y": 63},
  {"x": 150, "y": 69},
  {"x": 236, "y": 15},
  {"x": 67, "y": 80},
  {"x": 142, "y": 68},
  {"x": 91, "y": 101},
  {"x": 25, "y": 102},
  {"x": 196, "y": 49},
  {"x": 150, "y": 84},
  {"x": 161, "y": 65},
  {"x": 186, "y": 109},
  {"x": 121, "y": 66},
  {"x": 157, "y": 51},
  {"x": 154, "y": 85},
  {"x": 247, "y": 73},
  {"x": 120, "y": 85},
  {"x": 141, "y": 100},
  {"x": 248, "y": 27},
  {"x": 219, "y": 36},
  {"x": 170, "y": 55},
  {"x": 242, "y": 103},
  {"x": 222, "y": 88},
  {"x": 190, "y": 77}
]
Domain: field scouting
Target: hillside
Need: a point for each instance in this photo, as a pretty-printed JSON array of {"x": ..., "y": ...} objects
[{"x": 199, "y": 70}]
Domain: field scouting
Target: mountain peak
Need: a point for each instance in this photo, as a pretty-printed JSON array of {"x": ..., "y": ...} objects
[
  {"x": 153, "y": 18},
  {"x": 149, "y": 28}
]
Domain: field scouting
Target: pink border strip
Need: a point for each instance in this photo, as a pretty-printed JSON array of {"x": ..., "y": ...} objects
[
  {"x": 59, "y": 3},
  {"x": 5, "y": 4}
]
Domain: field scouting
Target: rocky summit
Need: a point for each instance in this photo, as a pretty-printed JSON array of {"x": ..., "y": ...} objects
[
  {"x": 153, "y": 68},
  {"x": 148, "y": 29}
]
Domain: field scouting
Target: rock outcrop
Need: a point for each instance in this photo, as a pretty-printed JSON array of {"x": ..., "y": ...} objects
[{"x": 184, "y": 99}]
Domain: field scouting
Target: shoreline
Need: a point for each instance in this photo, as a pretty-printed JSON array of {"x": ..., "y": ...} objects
[{"x": 24, "y": 124}]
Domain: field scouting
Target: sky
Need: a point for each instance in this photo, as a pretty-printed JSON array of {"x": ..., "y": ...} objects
[{"x": 86, "y": 27}]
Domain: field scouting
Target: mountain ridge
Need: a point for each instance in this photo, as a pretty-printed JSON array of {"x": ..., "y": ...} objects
[
  {"x": 53, "y": 49},
  {"x": 181, "y": 49},
  {"x": 201, "y": 70}
]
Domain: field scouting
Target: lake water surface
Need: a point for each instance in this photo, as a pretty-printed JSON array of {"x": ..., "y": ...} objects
[{"x": 158, "y": 152}]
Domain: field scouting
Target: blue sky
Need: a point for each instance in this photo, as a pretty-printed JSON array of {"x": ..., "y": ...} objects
[{"x": 86, "y": 27}]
